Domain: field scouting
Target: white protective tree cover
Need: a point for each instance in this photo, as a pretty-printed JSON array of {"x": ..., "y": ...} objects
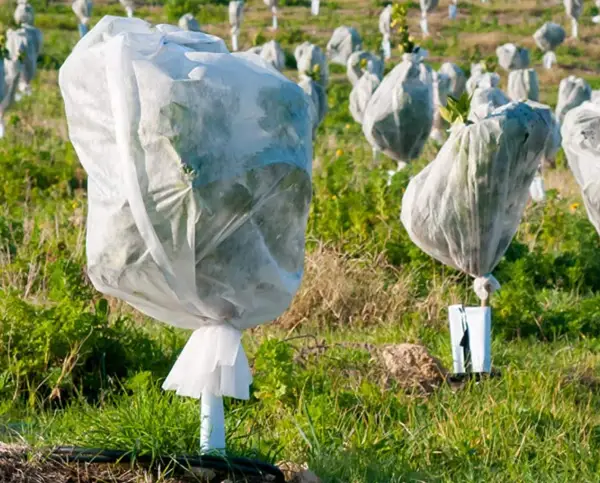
[
  {"x": 464, "y": 208},
  {"x": 399, "y": 115},
  {"x": 199, "y": 184},
  {"x": 354, "y": 69},
  {"x": 189, "y": 22},
  {"x": 343, "y": 42},
  {"x": 572, "y": 92},
  {"x": 428, "y": 6},
  {"x": 512, "y": 57},
  {"x": 26, "y": 40},
  {"x": 573, "y": 8},
  {"x": 385, "y": 21},
  {"x": 458, "y": 79},
  {"x": 307, "y": 57},
  {"x": 361, "y": 94},
  {"x": 318, "y": 100},
  {"x": 523, "y": 84},
  {"x": 595, "y": 96},
  {"x": 441, "y": 89},
  {"x": 128, "y": 5},
  {"x": 272, "y": 53},
  {"x": 236, "y": 16},
  {"x": 10, "y": 74},
  {"x": 581, "y": 142},
  {"x": 82, "y": 10},
  {"x": 549, "y": 36},
  {"x": 24, "y": 14},
  {"x": 484, "y": 101},
  {"x": 484, "y": 80},
  {"x": 271, "y": 3}
]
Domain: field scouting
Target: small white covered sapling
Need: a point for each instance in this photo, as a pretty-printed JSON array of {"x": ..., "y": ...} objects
[
  {"x": 309, "y": 59},
  {"x": 83, "y": 12},
  {"x": 23, "y": 45},
  {"x": 273, "y": 4},
  {"x": 24, "y": 13},
  {"x": 453, "y": 9},
  {"x": 10, "y": 73},
  {"x": 129, "y": 6},
  {"x": 189, "y": 22},
  {"x": 427, "y": 6},
  {"x": 360, "y": 62},
  {"x": 236, "y": 15},
  {"x": 343, "y": 42},
  {"x": 512, "y": 57},
  {"x": 483, "y": 80},
  {"x": 272, "y": 53},
  {"x": 318, "y": 99},
  {"x": 199, "y": 185},
  {"x": 548, "y": 37},
  {"x": 441, "y": 89},
  {"x": 361, "y": 94},
  {"x": 385, "y": 20},
  {"x": 573, "y": 9},
  {"x": 523, "y": 85},
  {"x": 484, "y": 101},
  {"x": 572, "y": 92},
  {"x": 464, "y": 209},
  {"x": 458, "y": 79}
]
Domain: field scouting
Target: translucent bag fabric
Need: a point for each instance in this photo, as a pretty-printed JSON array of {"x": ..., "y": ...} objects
[
  {"x": 199, "y": 184},
  {"x": 595, "y": 97},
  {"x": 82, "y": 10},
  {"x": 485, "y": 101},
  {"x": 428, "y": 6},
  {"x": 581, "y": 142},
  {"x": 361, "y": 94},
  {"x": 573, "y": 8},
  {"x": 464, "y": 208},
  {"x": 272, "y": 53},
  {"x": 27, "y": 42},
  {"x": 343, "y": 42},
  {"x": 572, "y": 92},
  {"x": 399, "y": 115},
  {"x": 318, "y": 100},
  {"x": 441, "y": 88},
  {"x": 483, "y": 80},
  {"x": 523, "y": 84},
  {"x": 458, "y": 79},
  {"x": 360, "y": 62},
  {"x": 189, "y": 22},
  {"x": 511, "y": 57},
  {"x": 549, "y": 36},
  {"x": 308, "y": 56},
  {"x": 24, "y": 14}
]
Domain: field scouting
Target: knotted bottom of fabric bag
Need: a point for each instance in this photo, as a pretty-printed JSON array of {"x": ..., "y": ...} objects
[{"x": 213, "y": 360}]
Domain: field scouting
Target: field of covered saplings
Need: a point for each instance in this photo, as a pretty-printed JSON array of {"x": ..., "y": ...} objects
[{"x": 401, "y": 225}]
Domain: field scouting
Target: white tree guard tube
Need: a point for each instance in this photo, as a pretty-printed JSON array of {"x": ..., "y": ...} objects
[
  {"x": 424, "y": 25},
  {"x": 212, "y": 423},
  {"x": 471, "y": 338},
  {"x": 452, "y": 11},
  {"x": 536, "y": 190},
  {"x": 549, "y": 60},
  {"x": 574, "y": 28},
  {"x": 129, "y": 12},
  {"x": 314, "y": 7},
  {"x": 83, "y": 29},
  {"x": 274, "y": 11},
  {"x": 386, "y": 47},
  {"x": 234, "y": 41}
]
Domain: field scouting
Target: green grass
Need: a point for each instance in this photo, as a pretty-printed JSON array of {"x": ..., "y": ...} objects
[{"x": 76, "y": 368}]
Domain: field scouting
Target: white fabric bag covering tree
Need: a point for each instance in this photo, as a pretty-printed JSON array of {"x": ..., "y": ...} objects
[
  {"x": 523, "y": 84},
  {"x": 199, "y": 184},
  {"x": 581, "y": 142},
  {"x": 464, "y": 208},
  {"x": 399, "y": 115},
  {"x": 272, "y": 53},
  {"x": 572, "y": 92},
  {"x": 360, "y": 62},
  {"x": 343, "y": 42},
  {"x": 385, "y": 28},
  {"x": 483, "y": 80},
  {"x": 453, "y": 9},
  {"x": 458, "y": 79},
  {"x": 83, "y": 12},
  {"x": 361, "y": 94},
  {"x": 236, "y": 15},
  {"x": 9, "y": 73},
  {"x": 129, "y": 7},
  {"x": 26, "y": 42},
  {"x": 318, "y": 100},
  {"x": 24, "y": 13},
  {"x": 273, "y": 4},
  {"x": 427, "y": 6},
  {"x": 548, "y": 37},
  {"x": 189, "y": 22},
  {"x": 308, "y": 56},
  {"x": 574, "y": 8},
  {"x": 441, "y": 89},
  {"x": 512, "y": 57},
  {"x": 484, "y": 101}
]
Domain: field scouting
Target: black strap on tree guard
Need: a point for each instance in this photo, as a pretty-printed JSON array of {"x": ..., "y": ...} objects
[{"x": 234, "y": 466}]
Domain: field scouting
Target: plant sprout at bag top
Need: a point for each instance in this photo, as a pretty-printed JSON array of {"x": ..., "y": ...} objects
[{"x": 199, "y": 167}]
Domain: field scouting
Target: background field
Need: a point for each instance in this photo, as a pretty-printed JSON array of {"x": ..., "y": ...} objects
[{"x": 76, "y": 368}]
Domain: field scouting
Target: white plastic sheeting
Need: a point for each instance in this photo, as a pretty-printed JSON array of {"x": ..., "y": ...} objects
[
  {"x": 273, "y": 4},
  {"x": 199, "y": 184},
  {"x": 399, "y": 115},
  {"x": 549, "y": 36},
  {"x": 441, "y": 88},
  {"x": 83, "y": 12},
  {"x": 483, "y": 80},
  {"x": 236, "y": 16},
  {"x": 343, "y": 42},
  {"x": 512, "y": 57},
  {"x": 307, "y": 57},
  {"x": 25, "y": 41},
  {"x": 361, "y": 94},
  {"x": 189, "y": 22},
  {"x": 581, "y": 142},
  {"x": 427, "y": 6},
  {"x": 574, "y": 8},
  {"x": 572, "y": 92},
  {"x": 318, "y": 100},
  {"x": 464, "y": 208},
  {"x": 523, "y": 84},
  {"x": 458, "y": 79},
  {"x": 385, "y": 20},
  {"x": 129, "y": 6},
  {"x": 485, "y": 101},
  {"x": 355, "y": 69},
  {"x": 10, "y": 73},
  {"x": 24, "y": 14},
  {"x": 272, "y": 53}
]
